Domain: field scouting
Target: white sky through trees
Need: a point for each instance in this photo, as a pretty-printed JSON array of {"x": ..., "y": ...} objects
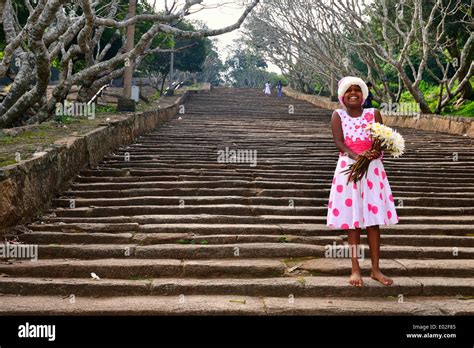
[{"x": 217, "y": 14}]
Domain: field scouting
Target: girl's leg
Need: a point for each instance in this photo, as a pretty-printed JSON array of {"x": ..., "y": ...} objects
[
  {"x": 354, "y": 242},
  {"x": 373, "y": 238}
]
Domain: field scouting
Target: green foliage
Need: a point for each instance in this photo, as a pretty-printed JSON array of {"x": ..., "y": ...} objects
[
  {"x": 190, "y": 59},
  {"x": 63, "y": 119},
  {"x": 100, "y": 109},
  {"x": 191, "y": 241},
  {"x": 55, "y": 63},
  {"x": 274, "y": 78},
  {"x": 467, "y": 109},
  {"x": 247, "y": 68},
  {"x": 7, "y": 162},
  {"x": 431, "y": 93}
]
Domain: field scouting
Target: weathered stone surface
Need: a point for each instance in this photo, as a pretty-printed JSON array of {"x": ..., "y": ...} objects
[
  {"x": 144, "y": 268},
  {"x": 30, "y": 185},
  {"x": 332, "y": 266},
  {"x": 134, "y": 305},
  {"x": 376, "y": 306},
  {"x": 277, "y": 286},
  {"x": 196, "y": 225},
  {"x": 322, "y": 102},
  {"x": 232, "y": 305}
]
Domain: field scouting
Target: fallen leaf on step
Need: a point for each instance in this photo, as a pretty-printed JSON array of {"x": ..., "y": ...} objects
[
  {"x": 95, "y": 276},
  {"x": 294, "y": 268}
]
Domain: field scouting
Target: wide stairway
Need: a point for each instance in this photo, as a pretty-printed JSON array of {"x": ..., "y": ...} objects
[{"x": 171, "y": 225}]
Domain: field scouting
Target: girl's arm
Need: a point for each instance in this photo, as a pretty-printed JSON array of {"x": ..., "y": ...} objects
[
  {"x": 338, "y": 136},
  {"x": 378, "y": 116}
]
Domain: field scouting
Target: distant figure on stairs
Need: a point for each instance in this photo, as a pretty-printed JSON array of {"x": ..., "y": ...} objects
[
  {"x": 280, "y": 88},
  {"x": 370, "y": 97},
  {"x": 268, "y": 88}
]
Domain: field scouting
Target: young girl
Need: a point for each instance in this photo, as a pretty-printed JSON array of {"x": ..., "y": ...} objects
[
  {"x": 268, "y": 88},
  {"x": 369, "y": 202}
]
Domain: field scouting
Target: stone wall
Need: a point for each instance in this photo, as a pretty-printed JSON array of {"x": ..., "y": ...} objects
[
  {"x": 445, "y": 124},
  {"x": 29, "y": 186},
  {"x": 322, "y": 102}
]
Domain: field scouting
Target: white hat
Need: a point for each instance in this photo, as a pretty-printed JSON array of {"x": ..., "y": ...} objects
[{"x": 348, "y": 81}]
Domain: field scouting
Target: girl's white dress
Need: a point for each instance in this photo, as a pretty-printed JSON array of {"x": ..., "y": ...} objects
[
  {"x": 369, "y": 201},
  {"x": 268, "y": 88}
]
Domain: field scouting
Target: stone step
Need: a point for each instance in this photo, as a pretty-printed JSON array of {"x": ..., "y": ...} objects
[
  {"x": 263, "y": 157},
  {"x": 326, "y": 179},
  {"x": 46, "y": 237},
  {"x": 223, "y": 224},
  {"x": 267, "y": 149},
  {"x": 309, "y": 286},
  {"x": 207, "y": 200},
  {"x": 414, "y": 170},
  {"x": 254, "y": 184},
  {"x": 104, "y": 172},
  {"x": 240, "y": 209},
  {"x": 390, "y": 267},
  {"x": 286, "y": 193},
  {"x": 173, "y": 221},
  {"x": 236, "y": 250},
  {"x": 135, "y": 269},
  {"x": 230, "y": 305},
  {"x": 39, "y": 237}
]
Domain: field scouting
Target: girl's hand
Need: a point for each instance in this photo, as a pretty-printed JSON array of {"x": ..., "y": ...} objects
[
  {"x": 354, "y": 156},
  {"x": 375, "y": 153},
  {"x": 371, "y": 154},
  {"x": 365, "y": 154}
]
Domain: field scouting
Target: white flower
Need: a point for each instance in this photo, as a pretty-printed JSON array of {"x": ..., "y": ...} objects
[{"x": 389, "y": 138}]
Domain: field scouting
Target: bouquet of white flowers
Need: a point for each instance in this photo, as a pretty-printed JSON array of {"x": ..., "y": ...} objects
[{"x": 384, "y": 138}]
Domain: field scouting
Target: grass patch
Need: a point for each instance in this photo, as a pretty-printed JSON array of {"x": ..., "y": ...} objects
[
  {"x": 294, "y": 261},
  {"x": 7, "y": 162},
  {"x": 139, "y": 278},
  {"x": 462, "y": 297},
  {"x": 102, "y": 109},
  {"x": 283, "y": 239},
  {"x": 192, "y": 241},
  {"x": 63, "y": 119},
  {"x": 466, "y": 110},
  {"x": 301, "y": 280}
]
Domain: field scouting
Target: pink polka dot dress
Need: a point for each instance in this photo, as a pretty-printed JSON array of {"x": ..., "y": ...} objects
[{"x": 370, "y": 201}]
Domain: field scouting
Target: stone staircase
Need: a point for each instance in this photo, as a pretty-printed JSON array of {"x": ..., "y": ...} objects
[{"x": 170, "y": 230}]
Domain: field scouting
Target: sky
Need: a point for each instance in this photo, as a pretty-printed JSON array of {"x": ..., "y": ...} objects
[
  {"x": 219, "y": 17},
  {"x": 216, "y": 17}
]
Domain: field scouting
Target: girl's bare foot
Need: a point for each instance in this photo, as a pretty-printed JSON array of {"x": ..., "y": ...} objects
[
  {"x": 356, "y": 279},
  {"x": 377, "y": 275}
]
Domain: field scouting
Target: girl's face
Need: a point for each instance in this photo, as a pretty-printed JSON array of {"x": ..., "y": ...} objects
[{"x": 353, "y": 97}]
